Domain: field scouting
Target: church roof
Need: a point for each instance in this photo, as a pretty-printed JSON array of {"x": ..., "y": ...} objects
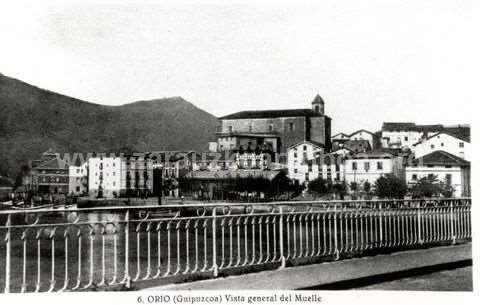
[{"x": 261, "y": 114}]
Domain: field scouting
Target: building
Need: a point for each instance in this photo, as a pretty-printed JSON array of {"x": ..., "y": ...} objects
[
  {"x": 339, "y": 139},
  {"x": 280, "y": 129},
  {"x": 50, "y": 176},
  {"x": 446, "y": 167},
  {"x": 221, "y": 184},
  {"x": 358, "y": 146},
  {"x": 105, "y": 176},
  {"x": 455, "y": 143},
  {"x": 300, "y": 167},
  {"x": 78, "y": 179},
  {"x": 404, "y": 135},
  {"x": 365, "y": 135},
  {"x": 368, "y": 167}
]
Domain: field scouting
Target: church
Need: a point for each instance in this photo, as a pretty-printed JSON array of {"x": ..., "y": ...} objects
[{"x": 277, "y": 129}]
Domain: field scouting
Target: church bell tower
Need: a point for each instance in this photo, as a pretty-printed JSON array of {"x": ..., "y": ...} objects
[{"x": 318, "y": 105}]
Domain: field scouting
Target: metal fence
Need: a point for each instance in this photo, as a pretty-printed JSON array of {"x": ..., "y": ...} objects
[{"x": 78, "y": 249}]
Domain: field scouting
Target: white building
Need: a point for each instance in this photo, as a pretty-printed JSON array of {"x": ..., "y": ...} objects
[
  {"x": 455, "y": 144},
  {"x": 446, "y": 167},
  {"x": 299, "y": 167},
  {"x": 78, "y": 179},
  {"x": 104, "y": 176},
  {"x": 363, "y": 134},
  {"x": 364, "y": 167},
  {"x": 404, "y": 135}
]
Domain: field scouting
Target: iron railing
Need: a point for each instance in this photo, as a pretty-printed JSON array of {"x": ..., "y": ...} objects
[{"x": 78, "y": 249}]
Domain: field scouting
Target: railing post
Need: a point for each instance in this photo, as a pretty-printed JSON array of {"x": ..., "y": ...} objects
[
  {"x": 8, "y": 253},
  {"x": 452, "y": 223},
  {"x": 419, "y": 224},
  {"x": 337, "y": 253},
  {"x": 127, "y": 247},
  {"x": 282, "y": 254},
  {"x": 214, "y": 242},
  {"x": 381, "y": 224}
]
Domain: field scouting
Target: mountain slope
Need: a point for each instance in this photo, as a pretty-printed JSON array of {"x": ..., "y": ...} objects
[{"x": 33, "y": 120}]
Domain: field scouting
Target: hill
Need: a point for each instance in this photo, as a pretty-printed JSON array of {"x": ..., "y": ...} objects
[{"x": 33, "y": 119}]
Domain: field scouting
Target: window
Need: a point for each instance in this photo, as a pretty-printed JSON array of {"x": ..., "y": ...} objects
[
  {"x": 113, "y": 183},
  {"x": 78, "y": 171},
  {"x": 461, "y": 144},
  {"x": 379, "y": 165},
  {"x": 113, "y": 174},
  {"x": 441, "y": 144},
  {"x": 430, "y": 176},
  {"x": 406, "y": 138},
  {"x": 307, "y": 177},
  {"x": 270, "y": 127},
  {"x": 295, "y": 170},
  {"x": 250, "y": 128},
  {"x": 295, "y": 154},
  {"x": 77, "y": 189},
  {"x": 448, "y": 179},
  {"x": 230, "y": 128},
  {"x": 354, "y": 166},
  {"x": 366, "y": 166},
  {"x": 432, "y": 146},
  {"x": 291, "y": 126},
  {"x": 310, "y": 167},
  {"x": 304, "y": 147},
  {"x": 414, "y": 177}
]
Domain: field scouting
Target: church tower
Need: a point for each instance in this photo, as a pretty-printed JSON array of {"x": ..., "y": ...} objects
[{"x": 318, "y": 105}]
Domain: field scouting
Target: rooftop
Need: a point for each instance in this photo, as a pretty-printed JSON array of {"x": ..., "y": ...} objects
[
  {"x": 440, "y": 157},
  {"x": 409, "y": 126},
  {"x": 260, "y": 114}
]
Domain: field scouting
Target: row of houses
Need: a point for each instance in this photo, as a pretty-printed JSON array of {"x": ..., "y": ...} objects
[{"x": 408, "y": 151}]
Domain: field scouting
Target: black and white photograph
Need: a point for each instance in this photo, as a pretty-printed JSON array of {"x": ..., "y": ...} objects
[{"x": 234, "y": 152}]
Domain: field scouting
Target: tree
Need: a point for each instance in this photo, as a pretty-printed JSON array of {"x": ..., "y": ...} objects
[
  {"x": 367, "y": 187},
  {"x": 390, "y": 186},
  {"x": 339, "y": 189},
  {"x": 318, "y": 186},
  {"x": 430, "y": 187}
]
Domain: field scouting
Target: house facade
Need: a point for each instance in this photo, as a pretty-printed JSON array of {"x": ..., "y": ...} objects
[
  {"x": 405, "y": 135},
  {"x": 78, "y": 179},
  {"x": 445, "y": 167},
  {"x": 455, "y": 144},
  {"x": 300, "y": 166},
  {"x": 51, "y": 176},
  {"x": 368, "y": 167},
  {"x": 105, "y": 176}
]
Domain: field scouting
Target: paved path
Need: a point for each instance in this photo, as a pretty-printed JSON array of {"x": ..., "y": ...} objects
[
  {"x": 459, "y": 279},
  {"x": 308, "y": 276}
]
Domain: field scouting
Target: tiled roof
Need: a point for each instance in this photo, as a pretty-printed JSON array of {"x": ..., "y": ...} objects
[
  {"x": 260, "y": 114},
  {"x": 440, "y": 157},
  {"x": 377, "y": 154},
  {"x": 316, "y": 144},
  {"x": 409, "y": 126},
  {"x": 56, "y": 163},
  {"x": 462, "y": 133},
  {"x": 225, "y": 174},
  {"x": 364, "y": 130}
]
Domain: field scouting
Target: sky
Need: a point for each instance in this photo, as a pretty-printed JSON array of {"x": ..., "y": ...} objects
[{"x": 371, "y": 61}]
